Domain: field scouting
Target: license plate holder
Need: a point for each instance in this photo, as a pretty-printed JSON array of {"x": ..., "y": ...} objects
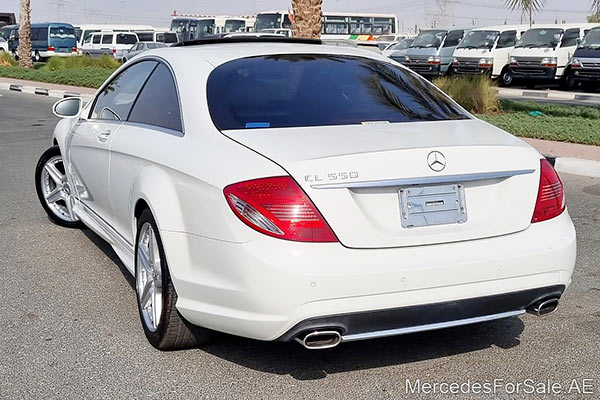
[{"x": 432, "y": 205}]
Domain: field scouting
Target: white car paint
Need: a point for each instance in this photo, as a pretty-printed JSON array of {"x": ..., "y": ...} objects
[{"x": 233, "y": 279}]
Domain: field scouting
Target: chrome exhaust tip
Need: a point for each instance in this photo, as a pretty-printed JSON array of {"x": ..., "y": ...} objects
[
  {"x": 319, "y": 340},
  {"x": 544, "y": 307}
]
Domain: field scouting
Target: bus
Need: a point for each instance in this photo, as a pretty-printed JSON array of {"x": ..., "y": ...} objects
[
  {"x": 47, "y": 39},
  {"x": 84, "y": 32},
  {"x": 337, "y": 25},
  {"x": 193, "y": 26}
]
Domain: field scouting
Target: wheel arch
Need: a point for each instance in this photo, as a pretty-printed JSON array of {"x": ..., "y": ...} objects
[{"x": 155, "y": 190}]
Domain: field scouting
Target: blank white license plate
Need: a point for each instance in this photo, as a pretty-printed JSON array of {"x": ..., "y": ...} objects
[{"x": 432, "y": 205}]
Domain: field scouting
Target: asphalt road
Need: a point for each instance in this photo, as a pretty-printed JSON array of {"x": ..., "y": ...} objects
[{"x": 69, "y": 326}]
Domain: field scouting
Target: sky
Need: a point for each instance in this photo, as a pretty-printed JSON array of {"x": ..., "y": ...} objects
[{"x": 410, "y": 12}]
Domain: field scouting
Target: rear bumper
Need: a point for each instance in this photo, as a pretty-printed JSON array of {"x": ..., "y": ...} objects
[
  {"x": 367, "y": 325},
  {"x": 48, "y": 54},
  {"x": 264, "y": 288}
]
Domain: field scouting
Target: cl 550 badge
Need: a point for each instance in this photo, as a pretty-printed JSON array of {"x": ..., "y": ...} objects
[{"x": 332, "y": 176}]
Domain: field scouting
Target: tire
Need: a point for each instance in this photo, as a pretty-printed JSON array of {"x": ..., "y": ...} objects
[
  {"x": 1, "y": 50},
  {"x": 568, "y": 81},
  {"x": 15, "y": 55},
  {"x": 171, "y": 331},
  {"x": 124, "y": 60},
  {"x": 506, "y": 78},
  {"x": 53, "y": 189}
]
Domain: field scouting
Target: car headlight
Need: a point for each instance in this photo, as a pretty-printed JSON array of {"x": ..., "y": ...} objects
[
  {"x": 575, "y": 63},
  {"x": 486, "y": 62},
  {"x": 513, "y": 61},
  {"x": 407, "y": 59},
  {"x": 435, "y": 60},
  {"x": 549, "y": 62},
  {"x": 455, "y": 61}
]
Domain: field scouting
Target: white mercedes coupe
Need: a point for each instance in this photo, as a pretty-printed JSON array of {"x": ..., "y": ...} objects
[{"x": 281, "y": 189}]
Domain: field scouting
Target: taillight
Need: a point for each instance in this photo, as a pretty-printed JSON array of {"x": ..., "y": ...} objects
[
  {"x": 74, "y": 49},
  {"x": 50, "y": 48},
  {"x": 551, "y": 194},
  {"x": 114, "y": 51},
  {"x": 278, "y": 207}
]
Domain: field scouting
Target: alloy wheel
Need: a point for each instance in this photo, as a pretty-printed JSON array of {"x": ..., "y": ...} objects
[
  {"x": 149, "y": 277},
  {"x": 56, "y": 190}
]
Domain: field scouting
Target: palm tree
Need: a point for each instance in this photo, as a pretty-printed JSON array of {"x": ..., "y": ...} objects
[
  {"x": 306, "y": 18},
  {"x": 595, "y": 9},
  {"x": 25, "y": 34},
  {"x": 527, "y": 6}
]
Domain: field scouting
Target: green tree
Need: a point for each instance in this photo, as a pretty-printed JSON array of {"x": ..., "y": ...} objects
[
  {"x": 528, "y": 7},
  {"x": 306, "y": 18},
  {"x": 25, "y": 34}
]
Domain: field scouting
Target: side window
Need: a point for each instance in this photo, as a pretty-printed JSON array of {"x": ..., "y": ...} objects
[
  {"x": 570, "y": 38},
  {"x": 107, "y": 39},
  {"x": 507, "y": 39},
  {"x": 158, "y": 103},
  {"x": 453, "y": 38},
  {"x": 160, "y": 37},
  {"x": 96, "y": 39},
  {"x": 115, "y": 101}
]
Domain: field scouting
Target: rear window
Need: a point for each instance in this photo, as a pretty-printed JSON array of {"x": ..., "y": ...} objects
[
  {"x": 296, "y": 90},
  {"x": 123, "y": 38},
  {"x": 146, "y": 37},
  {"x": 62, "y": 32}
]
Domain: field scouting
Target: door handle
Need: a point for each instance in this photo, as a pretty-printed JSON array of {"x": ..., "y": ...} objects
[{"x": 103, "y": 137}]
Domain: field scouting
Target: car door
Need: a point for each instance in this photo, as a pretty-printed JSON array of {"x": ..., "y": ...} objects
[
  {"x": 452, "y": 40},
  {"x": 107, "y": 44},
  {"x": 89, "y": 144},
  {"x": 148, "y": 138},
  {"x": 505, "y": 44}
]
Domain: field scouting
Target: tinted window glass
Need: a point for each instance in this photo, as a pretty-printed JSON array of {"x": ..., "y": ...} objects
[
  {"x": 453, "y": 38},
  {"x": 107, "y": 39},
  {"x": 145, "y": 37},
  {"x": 62, "y": 32},
  {"x": 39, "y": 34},
  {"x": 315, "y": 90},
  {"x": 116, "y": 99},
  {"x": 96, "y": 39},
  {"x": 170, "y": 38},
  {"x": 123, "y": 38},
  {"x": 158, "y": 103},
  {"x": 570, "y": 38},
  {"x": 507, "y": 39}
]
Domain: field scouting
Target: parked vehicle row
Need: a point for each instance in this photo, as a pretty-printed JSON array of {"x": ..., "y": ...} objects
[{"x": 509, "y": 53}]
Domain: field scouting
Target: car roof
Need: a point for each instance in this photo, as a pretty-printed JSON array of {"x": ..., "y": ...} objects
[{"x": 221, "y": 51}]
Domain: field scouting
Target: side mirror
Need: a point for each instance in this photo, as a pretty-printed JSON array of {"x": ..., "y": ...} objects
[{"x": 68, "y": 108}]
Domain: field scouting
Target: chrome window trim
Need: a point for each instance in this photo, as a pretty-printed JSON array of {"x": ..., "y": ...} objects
[
  {"x": 159, "y": 60},
  {"x": 425, "y": 180}
]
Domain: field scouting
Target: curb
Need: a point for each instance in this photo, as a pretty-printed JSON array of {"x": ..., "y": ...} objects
[
  {"x": 576, "y": 166},
  {"x": 548, "y": 94},
  {"x": 41, "y": 91}
]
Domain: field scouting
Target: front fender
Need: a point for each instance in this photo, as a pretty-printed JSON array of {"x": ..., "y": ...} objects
[{"x": 61, "y": 133}]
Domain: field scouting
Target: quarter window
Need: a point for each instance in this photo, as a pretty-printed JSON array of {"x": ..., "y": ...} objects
[
  {"x": 453, "y": 38},
  {"x": 158, "y": 103},
  {"x": 507, "y": 39},
  {"x": 117, "y": 98},
  {"x": 570, "y": 38}
]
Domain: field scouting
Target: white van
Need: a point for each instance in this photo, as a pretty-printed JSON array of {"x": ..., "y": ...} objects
[
  {"x": 543, "y": 52},
  {"x": 83, "y": 32},
  {"x": 158, "y": 36},
  {"x": 486, "y": 51},
  {"x": 109, "y": 42}
]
